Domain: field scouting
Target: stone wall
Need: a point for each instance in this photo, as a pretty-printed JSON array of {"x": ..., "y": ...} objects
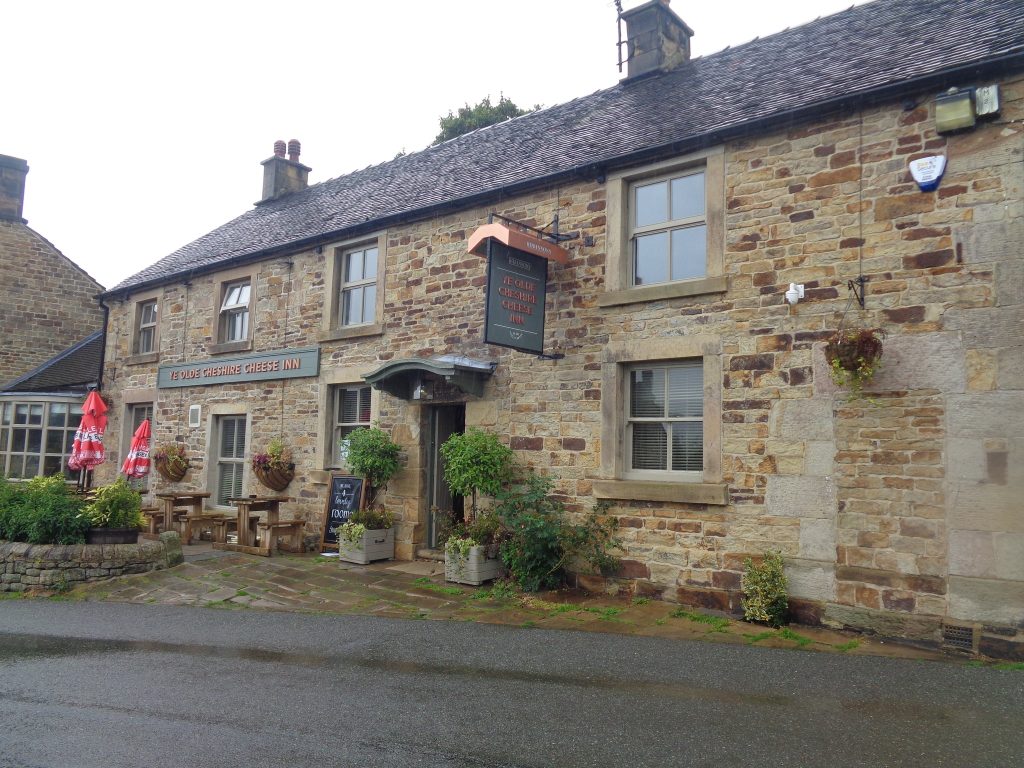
[
  {"x": 47, "y": 304},
  {"x": 57, "y": 566},
  {"x": 901, "y": 504}
]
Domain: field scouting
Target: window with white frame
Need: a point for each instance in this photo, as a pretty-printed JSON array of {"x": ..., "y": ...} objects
[
  {"x": 665, "y": 420},
  {"x": 230, "y": 457},
  {"x": 669, "y": 228},
  {"x": 234, "y": 312},
  {"x": 358, "y": 287},
  {"x": 36, "y": 437},
  {"x": 351, "y": 412},
  {"x": 145, "y": 334}
]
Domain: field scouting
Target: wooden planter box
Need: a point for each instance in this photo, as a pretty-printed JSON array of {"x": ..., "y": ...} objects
[
  {"x": 474, "y": 569},
  {"x": 112, "y": 536},
  {"x": 376, "y": 544}
]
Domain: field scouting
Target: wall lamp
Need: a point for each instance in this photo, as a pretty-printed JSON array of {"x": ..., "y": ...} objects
[
  {"x": 954, "y": 110},
  {"x": 795, "y": 292}
]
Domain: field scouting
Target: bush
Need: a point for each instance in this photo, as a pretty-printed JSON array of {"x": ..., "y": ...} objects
[
  {"x": 540, "y": 543},
  {"x": 765, "y": 590},
  {"x": 476, "y": 461},
  {"x": 371, "y": 453},
  {"x": 116, "y": 505},
  {"x": 41, "y": 511}
]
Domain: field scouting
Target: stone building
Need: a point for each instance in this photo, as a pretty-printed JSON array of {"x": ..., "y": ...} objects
[
  {"x": 674, "y": 380},
  {"x": 53, "y": 339}
]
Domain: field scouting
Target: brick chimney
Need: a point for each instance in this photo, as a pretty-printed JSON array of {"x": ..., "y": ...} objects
[
  {"x": 12, "y": 188},
  {"x": 656, "y": 39},
  {"x": 283, "y": 176}
]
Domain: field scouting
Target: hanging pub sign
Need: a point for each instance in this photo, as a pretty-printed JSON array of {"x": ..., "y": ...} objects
[{"x": 517, "y": 274}]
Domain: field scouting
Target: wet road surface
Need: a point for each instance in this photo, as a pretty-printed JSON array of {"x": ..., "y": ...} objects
[{"x": 106, "y": 684}]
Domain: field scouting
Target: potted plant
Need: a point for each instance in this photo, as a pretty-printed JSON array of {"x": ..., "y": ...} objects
[
  {"x": 114, "y": 514},
  {"x": 366, "y": 536},
  {"x": 471, "y": 553},
  {"x": 171, "y": 461},
  {"x": 371, "y": 453},
  {"x": 854, "y": 357},
  {"x": 476, "y": 461},
  {"x": 274, "y": 467}
]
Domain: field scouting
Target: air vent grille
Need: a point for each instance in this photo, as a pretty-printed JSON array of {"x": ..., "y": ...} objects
[{"x": 961, "y": 637}]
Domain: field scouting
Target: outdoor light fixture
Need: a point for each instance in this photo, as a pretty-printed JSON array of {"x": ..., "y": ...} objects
[
  {"x": 954, "y": 110},
  {"x": 795, "y": 293}
]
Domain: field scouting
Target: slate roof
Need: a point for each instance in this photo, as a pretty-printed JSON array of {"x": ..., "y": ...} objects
[
  {"x": 883, "y": 48},
  {"x": 72, "y": 370}
]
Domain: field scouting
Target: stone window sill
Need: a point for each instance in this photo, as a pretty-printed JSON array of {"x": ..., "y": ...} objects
[
  {"x": 142, "y": 359},
  {"x": 230, "y": 346},
  {"x": 351, "y": 332},
  {"x": 704, "y": 285},
  {"x": 643, "y": 490}
]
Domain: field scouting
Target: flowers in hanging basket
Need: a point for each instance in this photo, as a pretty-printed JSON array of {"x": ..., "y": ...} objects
[
  {"x": 854, "y": 357},
  {"x": 274, "y": 467},
  {"x": 171, "y": 461}
]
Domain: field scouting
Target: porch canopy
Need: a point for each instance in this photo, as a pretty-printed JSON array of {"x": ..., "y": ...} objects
[{"x": 411, "y": 378}]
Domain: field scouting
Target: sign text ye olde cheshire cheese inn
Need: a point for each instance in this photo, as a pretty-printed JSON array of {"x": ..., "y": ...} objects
[{"x": 281, "y": 364}]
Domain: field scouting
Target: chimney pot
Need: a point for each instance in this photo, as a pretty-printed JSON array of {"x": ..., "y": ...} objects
[
  {"x": 283, "y": 175},
  {"x": 294, "y": 148},
  {"x": 279, "y": 148}
]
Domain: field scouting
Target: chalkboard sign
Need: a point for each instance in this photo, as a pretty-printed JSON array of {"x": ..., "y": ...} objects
[{"x": 345, "y": 496}]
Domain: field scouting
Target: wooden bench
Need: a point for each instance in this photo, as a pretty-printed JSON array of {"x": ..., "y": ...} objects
[
  {"x": 221, "y": 528},
  {"x": 193, "y": 524},
  {"x": 154, "y": 517},
  {"x": 290, "y": 530}
]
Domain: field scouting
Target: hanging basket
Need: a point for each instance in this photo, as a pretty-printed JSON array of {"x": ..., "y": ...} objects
[
  {"x": 172, "y": 472},
  {"x": 275, "y": 478},
  {"x": 853, "y": 356}
]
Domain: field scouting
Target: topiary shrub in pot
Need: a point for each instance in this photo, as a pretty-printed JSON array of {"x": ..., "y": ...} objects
[
  {"x": 476, "y": 462},
  {"x": 371, "y": 453},
  {"x": 114, "y": 513}
]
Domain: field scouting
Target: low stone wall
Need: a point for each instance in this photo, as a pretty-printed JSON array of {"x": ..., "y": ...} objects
[{"x": 57, "y": 566}]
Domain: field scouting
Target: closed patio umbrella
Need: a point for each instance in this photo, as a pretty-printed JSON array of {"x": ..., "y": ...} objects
[
  {"x": 87, "y": 451},
  {"x": 136, "y": 463}
]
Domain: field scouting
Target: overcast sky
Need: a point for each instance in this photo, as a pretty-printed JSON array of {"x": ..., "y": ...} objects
[{"x": 144, "y": 123}]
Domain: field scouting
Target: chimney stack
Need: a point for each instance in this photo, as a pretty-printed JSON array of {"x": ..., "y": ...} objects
[
  {"x": 657, "y": 40},
  {"x": 283, "y": 176},
  {"x": 12, "y": 188}
]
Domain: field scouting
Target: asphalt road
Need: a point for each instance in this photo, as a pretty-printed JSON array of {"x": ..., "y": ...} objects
[{"x": 106, "y": 684}]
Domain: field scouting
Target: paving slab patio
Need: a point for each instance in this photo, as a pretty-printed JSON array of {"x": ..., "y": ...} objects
[{"x": 417, "y": 590}]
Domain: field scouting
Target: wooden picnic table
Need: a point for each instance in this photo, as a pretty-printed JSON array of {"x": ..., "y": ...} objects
[
  {"x": 246, "y": 507},
  {"x": 192, "y": 503}
]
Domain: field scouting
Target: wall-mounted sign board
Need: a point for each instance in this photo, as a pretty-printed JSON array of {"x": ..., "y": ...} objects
[
  {"x": 262, "y": 366},
  {"x": 516, "y": 293},
  {"x": 344, "y": 496}
]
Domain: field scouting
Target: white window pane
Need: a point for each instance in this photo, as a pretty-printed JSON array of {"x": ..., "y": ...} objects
[
  {"x": 686, "y": 391},
  {"x": 651, "y": 259},
  {"x": 349, "y": 406},
  {"x": 650, "y": 446},
  {"x": 688, "y": 196},
  {"x": 58, "y": 414},
  {"x": 354, "y": 267},
  {"x": 652, "y": 204},
  {"x": 149, "y": 313},
  {"x": 369, "y": 303},
  {"x": 689, "y": 252},
  {"x": 647, "y": 393},
  {"x": 231, "y": 296},
  {"x": 243, "y": 294},
  {"x": 688, "y": 446},
  {"x": 370, "y": 266},
  {"x": 352, "y": 309},
  {"x": 227, "y": 437}
]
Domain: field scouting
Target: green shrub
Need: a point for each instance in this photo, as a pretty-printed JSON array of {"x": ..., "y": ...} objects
[
  {"x": 41, "y": 511},
  {"x": 116, "y": 505},
  {"x": 540, "y": 542},
  {"x": 476, "y": 461},
  {"x": 765, "y": 590},
  {"x": 371, "y": 453}
]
